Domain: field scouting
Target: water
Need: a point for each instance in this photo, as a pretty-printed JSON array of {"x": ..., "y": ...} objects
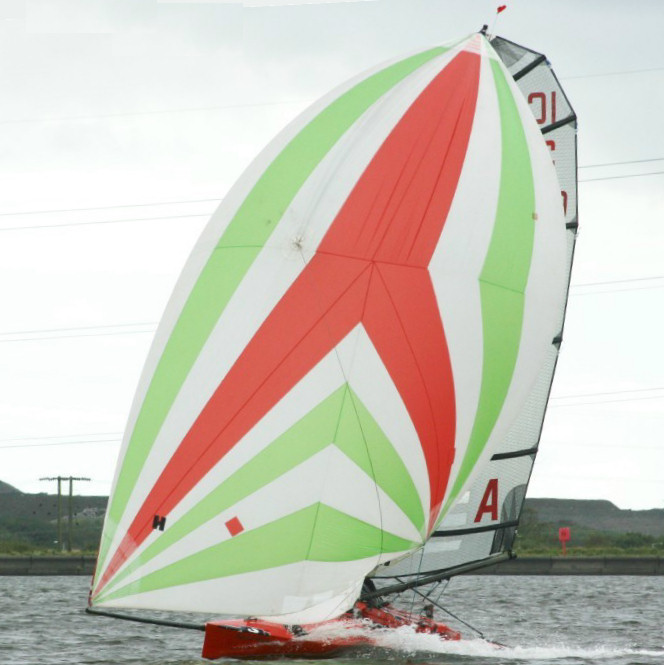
[{"x": 544, "y": 620}]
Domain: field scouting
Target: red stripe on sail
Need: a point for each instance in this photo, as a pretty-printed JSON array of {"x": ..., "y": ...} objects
[{"x": 370, "y": 268}]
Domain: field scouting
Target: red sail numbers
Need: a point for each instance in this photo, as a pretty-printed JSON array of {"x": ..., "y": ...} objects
[{"x": 489, "y": 502}]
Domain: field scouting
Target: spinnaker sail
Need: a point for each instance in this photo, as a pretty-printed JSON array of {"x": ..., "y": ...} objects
[{"x": 359, "y": 350}]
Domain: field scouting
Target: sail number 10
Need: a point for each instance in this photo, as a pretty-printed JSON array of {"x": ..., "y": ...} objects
[
  {"x": 546, "y": 104},
  {"x": 544, "y": 110}
]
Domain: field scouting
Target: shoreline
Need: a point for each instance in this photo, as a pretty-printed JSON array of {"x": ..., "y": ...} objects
[{"x": 524, "y": 565}]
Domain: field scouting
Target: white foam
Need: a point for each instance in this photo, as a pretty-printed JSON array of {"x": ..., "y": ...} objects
[{"x": 406, "y": 641}]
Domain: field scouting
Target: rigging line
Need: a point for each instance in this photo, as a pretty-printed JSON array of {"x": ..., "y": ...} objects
[
  {"x": 123, "y": 205},
  {"x": 631, "y": 161},
  {"x": 105, "y": 221},
  {"x": 611, "y": 392},
  {"x": 443, "y": 587},
  {"x": 418, "y": 574},
  {"x": 444, "y": 609},
  {"x": 622, "y": 177}
]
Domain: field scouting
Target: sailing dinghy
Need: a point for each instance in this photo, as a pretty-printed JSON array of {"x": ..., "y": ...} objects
[{"x": 349, "y": 382}]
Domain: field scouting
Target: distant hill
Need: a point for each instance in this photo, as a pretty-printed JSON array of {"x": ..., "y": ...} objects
[
  {"x": 6, "y": 488},
  {"x": 598, "y": 515},
  {"x": 31, "y": 519}
]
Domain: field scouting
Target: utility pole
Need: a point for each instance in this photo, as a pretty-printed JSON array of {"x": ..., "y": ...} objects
[{"x": 71, "y": 480}]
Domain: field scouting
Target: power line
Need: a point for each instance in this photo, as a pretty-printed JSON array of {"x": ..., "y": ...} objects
[
  {"x": 106, "y": 221},
  {"x": 618, "y": 281},
  {"x": 620, "y": 73},
  {"x": 584, "y": 444},
  {"x": 86, "y": 331},
  {"x": 59, "y": 436},
  {"x": 606, "y": 401},
  {"x": 69, "y": 329},
  {"x": 97, "y": 334},
  {"x": 116, "y": 437},
  {"x": 609, "y": 291},
  {"x": 218, "y": 200},
  {"x": 117, "y": 328},
  {"x": 610, "y": 392},
  {"x": 124, "y": 114},
  {"x": 621, "y": 177},
  {"x": 58, "y": 443},
  {"x": 123, "y": 205},
  {"x": 603, "y": 478},
  {"x": 218, "y": 107},
  {"x": 631, "y": 161}
]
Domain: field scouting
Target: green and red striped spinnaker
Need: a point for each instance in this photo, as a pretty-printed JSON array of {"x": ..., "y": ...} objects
[
  {"x": 377, "y": 276},
  {"x": 339, "y": 351},
  {"x": 246, "y": 233}
]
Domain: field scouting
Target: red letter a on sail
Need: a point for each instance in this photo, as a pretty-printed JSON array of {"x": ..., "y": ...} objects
[{"x": 489, "y": 502}]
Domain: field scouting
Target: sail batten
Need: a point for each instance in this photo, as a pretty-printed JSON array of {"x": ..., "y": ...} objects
[{"x": 357, "y": 354}]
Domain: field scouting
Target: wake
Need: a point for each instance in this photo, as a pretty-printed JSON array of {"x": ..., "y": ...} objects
[{"x": 406, "y": 642}]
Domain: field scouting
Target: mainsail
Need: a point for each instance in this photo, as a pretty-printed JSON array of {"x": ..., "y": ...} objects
[{"x": 359, "y": 350}]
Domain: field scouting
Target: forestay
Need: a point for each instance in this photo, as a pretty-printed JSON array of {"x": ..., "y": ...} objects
[{"x": 357, "y": 353}]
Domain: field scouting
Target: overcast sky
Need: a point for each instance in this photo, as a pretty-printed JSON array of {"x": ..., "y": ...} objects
[{"x": 112, "y": 107}]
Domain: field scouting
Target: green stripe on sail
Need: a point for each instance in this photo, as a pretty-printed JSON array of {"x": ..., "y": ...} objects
[
  {"x": 360, "y": 437},
  {"x": 309, "y": 534},
  {"x": 303, "y": 440},
  {"x": 504, "y": 277},
  {"x": 237, "y": 249},
  {"x": 334, "y": 420}
]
